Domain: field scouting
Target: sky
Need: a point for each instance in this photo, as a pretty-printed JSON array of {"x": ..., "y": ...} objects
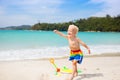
[{"x": 30, "y": 12}]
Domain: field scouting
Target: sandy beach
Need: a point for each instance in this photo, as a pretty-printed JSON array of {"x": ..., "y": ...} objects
[{"x": 93, "y": 68}]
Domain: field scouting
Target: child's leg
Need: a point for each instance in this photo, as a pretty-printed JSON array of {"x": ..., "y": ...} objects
[
  {"x": 74, "y": 65},
  {"x": 75, "y": 68}
]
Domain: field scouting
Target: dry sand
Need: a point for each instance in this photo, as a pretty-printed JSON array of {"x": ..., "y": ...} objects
[{"x": 93, "y": 68}]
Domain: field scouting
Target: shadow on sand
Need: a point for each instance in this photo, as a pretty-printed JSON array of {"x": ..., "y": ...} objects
[{"x": 82, "y": 76}]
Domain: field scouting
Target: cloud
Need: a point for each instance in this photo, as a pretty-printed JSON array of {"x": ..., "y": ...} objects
[
  {"x": 27, "y": 12},
  {"x": 109, "y": 7},
  {"x": 41, "y": 6},
  {"x": 1, "y": 10},
  {"x": 16, "y": 20},
  {"x": 35, "y": 6},
  {"x": 18, "y": 12}
]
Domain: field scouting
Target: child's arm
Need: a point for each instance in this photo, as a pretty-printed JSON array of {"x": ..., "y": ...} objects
[
  {"x": 60, "y": 33},
  {"x": 83, "y": 44}
]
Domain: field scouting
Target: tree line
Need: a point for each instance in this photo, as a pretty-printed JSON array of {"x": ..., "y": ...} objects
[{"x": 103, "y": 24}]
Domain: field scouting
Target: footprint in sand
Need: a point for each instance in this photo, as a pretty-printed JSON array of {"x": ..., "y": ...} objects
[{"x": 44, "y": 77}]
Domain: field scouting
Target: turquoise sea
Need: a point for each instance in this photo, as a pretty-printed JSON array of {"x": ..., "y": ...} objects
[{"x": 23, "y": 44}]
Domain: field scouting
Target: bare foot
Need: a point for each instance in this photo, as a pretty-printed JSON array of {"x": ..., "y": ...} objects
[
  {"x": 71, "y": 77},
  {"x": 76, "y": 74}
]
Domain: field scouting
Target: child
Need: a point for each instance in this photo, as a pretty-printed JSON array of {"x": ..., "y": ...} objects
[{"x": 76, "y": 54}]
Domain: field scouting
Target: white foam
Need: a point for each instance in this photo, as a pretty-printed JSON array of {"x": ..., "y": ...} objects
[
  {"x": 46, "y": 52},
  {"x": 33, "y": 53}
]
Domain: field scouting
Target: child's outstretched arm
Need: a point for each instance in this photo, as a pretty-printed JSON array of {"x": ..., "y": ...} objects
[
  {"x": 83, "y": 44},
  {"x": 60, "y": 33}
]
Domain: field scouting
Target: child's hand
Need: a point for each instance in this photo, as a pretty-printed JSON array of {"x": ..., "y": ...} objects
[
  {"x": 89, "y": 51},
  {"x": 55, "y": 31}
]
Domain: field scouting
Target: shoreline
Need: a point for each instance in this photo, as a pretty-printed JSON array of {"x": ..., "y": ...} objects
[{"x": 66, "y": 57}]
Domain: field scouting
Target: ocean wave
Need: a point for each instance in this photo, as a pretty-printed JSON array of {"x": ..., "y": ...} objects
[{"x": 47, "y": 52}]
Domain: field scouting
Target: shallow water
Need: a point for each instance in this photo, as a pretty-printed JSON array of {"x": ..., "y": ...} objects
[{"x": 20, "y": 44}]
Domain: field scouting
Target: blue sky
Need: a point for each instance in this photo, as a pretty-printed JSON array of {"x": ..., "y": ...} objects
[{"x": 29, "y": 12}]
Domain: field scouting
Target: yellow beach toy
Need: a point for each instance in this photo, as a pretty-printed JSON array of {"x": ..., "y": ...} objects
[{"x": 62, "y": 70}]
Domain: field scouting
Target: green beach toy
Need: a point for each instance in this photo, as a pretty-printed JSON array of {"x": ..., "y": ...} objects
[{"x": 62, "y": 70}]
